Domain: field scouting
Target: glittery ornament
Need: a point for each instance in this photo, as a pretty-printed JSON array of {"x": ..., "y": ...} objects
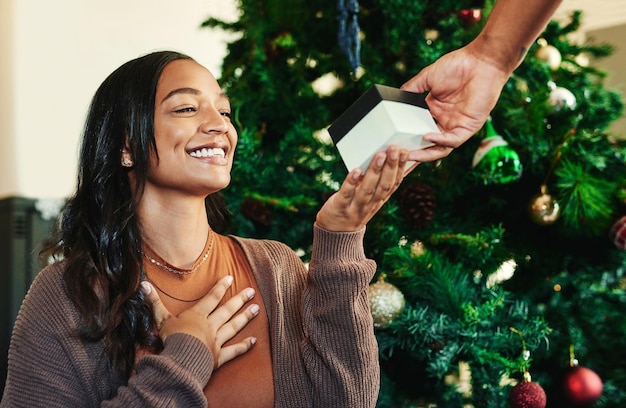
[
  {"x": 527, "y": 394},
  {"x": 582, "y": 386},
  {"x": 386, "y": 302},
  {"x": 548, "y": 54},
  {"x": 543, "y": 208},
  {"x": 618, "y": 233},
  {"x": 417, "y": 249},
  {"x": 494, "y": 161},
  {"x": 561, "y": 99}
]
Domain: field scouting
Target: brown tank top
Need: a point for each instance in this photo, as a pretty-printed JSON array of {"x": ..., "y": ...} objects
[{"x": 246, "y": 381}]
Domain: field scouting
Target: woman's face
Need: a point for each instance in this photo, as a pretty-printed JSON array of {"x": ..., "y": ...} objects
[{"x": 194, "y": 135}]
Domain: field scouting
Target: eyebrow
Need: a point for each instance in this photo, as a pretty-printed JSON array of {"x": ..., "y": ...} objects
[{"x": 192, "y": 91}]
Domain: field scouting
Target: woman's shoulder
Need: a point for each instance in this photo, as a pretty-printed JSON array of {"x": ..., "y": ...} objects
[
  {"x": 46, "y": 296},
  {"x": 48, "y": 279}
]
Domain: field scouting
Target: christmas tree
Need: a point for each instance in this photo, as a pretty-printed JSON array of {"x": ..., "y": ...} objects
[{"x": 501, "y": 267}]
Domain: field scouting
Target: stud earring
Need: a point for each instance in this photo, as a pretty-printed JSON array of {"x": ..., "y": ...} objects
[{"x": 127, "y": 162}]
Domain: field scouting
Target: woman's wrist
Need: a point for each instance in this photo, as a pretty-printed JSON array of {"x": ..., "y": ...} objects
[{"x": 333, "y": 245}]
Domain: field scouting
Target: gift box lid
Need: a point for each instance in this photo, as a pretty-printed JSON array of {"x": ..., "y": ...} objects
[
  {"x": 366, "y": 102},
  {"x": 382, "y": 116}
]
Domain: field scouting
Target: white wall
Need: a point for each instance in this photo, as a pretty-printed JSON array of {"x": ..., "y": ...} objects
[
  {"x": 615, "y": 68},
  {"x": 54, "y": 56},
  {"x": 8, "y": 171}
]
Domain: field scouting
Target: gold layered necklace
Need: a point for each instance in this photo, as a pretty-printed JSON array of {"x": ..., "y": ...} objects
[{"x": 179, "y": 271}]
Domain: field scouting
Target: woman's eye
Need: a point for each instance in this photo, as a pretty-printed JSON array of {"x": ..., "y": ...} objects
[
  {"x": 226, "y": 114},
  {"x": 187, "y": 109}
]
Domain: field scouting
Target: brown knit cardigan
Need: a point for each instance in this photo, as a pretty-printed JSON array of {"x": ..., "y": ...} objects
[{"x": 324, "y": 352}]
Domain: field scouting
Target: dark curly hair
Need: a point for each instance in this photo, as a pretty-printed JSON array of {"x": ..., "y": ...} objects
[{"x": 99, "y": 236}]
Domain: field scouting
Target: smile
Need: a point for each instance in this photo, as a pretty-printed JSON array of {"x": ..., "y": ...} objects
[{"x": 208, "y": 152}]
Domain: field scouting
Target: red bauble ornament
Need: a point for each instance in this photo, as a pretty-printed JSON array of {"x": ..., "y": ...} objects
[
  {"x": 618, "y": 233},
  {"x": 527, "y": 394},
  {"x": 470, "y": 17},
  {"x": 582, "y": 386}
]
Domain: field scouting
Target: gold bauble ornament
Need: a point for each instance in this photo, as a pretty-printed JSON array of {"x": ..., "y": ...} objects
[
  {"x": 417, "y": 249},
  {"x": 522, "y": 86},
  {"x": 386, "y": 302},
  {"x": 582, "y": 60},
  {"x": 548, "y": 54},
  {"x": 543, "y": 208}
]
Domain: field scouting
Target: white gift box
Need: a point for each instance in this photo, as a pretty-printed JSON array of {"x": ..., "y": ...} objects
[{"x": 381, "y": 117}]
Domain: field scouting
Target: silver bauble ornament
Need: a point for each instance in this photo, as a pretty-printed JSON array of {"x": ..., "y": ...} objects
[
  {"x": 386, "y": 302},
  {"x": 561, "y": 99}
]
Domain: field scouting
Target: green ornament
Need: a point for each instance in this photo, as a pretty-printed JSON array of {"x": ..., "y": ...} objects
[{"x": 494, "y": 161}]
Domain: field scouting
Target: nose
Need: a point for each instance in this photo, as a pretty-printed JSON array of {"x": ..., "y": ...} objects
[{"x": 214, "y": 123}]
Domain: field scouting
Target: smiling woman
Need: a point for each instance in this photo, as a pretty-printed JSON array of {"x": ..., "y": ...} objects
[
  {"x": 192, "y": 116},
  {"x": 151, "y": 305}
]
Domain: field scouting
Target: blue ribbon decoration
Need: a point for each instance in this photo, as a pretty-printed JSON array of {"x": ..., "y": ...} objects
[{"x": 348, "y": 33}]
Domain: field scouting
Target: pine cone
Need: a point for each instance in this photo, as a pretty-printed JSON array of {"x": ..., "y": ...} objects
[{"x": 417, "y": 203}]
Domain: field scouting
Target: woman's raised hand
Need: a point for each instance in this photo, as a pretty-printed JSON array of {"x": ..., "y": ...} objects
[
  {"x": 362, "y": 195},
  {"x": 205, "y": 320}
]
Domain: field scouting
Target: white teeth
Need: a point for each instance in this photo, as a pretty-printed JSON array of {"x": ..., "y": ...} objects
[{"x": 204, "y": 152}]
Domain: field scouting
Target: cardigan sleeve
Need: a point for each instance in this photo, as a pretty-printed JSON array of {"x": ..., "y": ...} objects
[
  {"x": 340, "y": 348},
  {"x": 49, "y": 366}
]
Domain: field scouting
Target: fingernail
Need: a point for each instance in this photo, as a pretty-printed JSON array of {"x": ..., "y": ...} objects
[
  {"x": 394, "y": 155},
  {"x": 146, "y": 287},
  {"x": 253, "y": 340},
  {"x": 228, "y": 280},
  {"x": 255, "y": 309},
  {"x": 250, "y": 293},
  {"x": 380, "y": 161}
]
